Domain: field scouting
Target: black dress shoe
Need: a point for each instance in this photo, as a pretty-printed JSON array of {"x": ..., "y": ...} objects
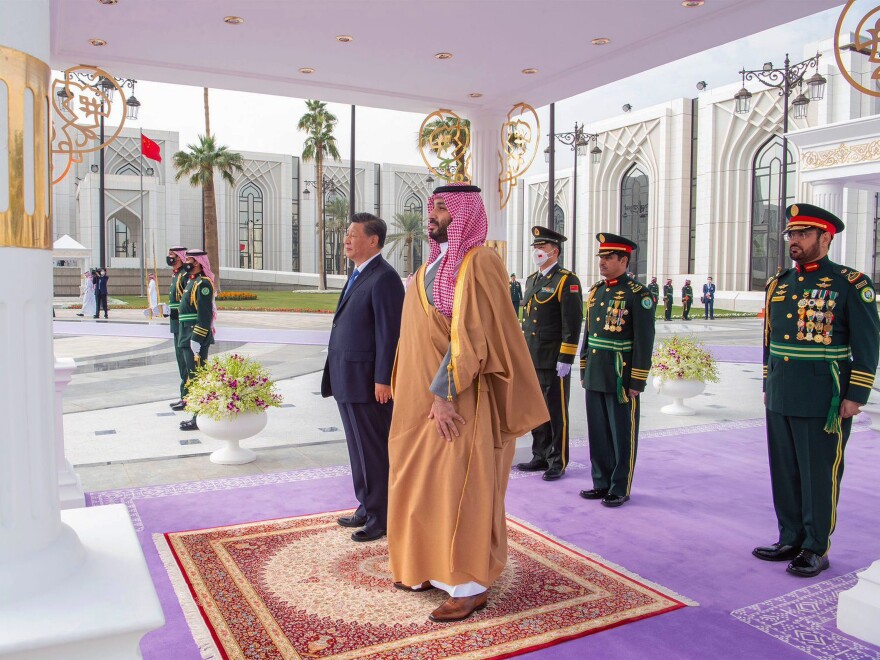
[
  {"x": 189, "y": 425},
  {"x": 178, "y": 405},
  {"x": 594, "y": 493},
  {"x": 363, "y": 535},
  {"x": 534, "y": 465},
  {"x": 424, "y": 586},
  {"x": 808, "y": 564},
  {"x": 776, "y": 552},
  {"x": 614, "y": 500},
  {"x": 351, "y": 521},
  {"x": 174, "y": 403},
  {"x": 553, "y": 474}
]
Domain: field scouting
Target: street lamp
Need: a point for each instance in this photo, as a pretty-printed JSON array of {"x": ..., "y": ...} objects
[
  {"x": 579, "y": 141},
  {"x": 786, "y": 79},
  {"x": 106, "y": 89}
]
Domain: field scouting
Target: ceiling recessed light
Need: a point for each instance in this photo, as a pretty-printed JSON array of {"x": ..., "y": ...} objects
[
  {"x": 108, "y": 2},
  {"x": 692, "y": 3},
  {"x": 306, "y": 70},
  {"x": 233, "y": 20},
  {"x": 97, "y": 42},
  {"x": 530, "y": 71},
  {"x": 443, "y": 56},
  {"x": 475, "y": 95},
  {"x": 601, "y": 41},
  {"x": 344, "y": 38}
]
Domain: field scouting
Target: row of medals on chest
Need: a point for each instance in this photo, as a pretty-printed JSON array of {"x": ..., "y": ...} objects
[
  {"x": 815, "y": 316},
  {"x": 614, "y": 314}
]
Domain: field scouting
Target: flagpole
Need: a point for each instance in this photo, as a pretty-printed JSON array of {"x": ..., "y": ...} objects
[{"x": 143, "y": 220}]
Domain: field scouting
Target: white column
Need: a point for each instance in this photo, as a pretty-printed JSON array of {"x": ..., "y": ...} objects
[
  {"x": 36, "y": 549},
  {"x": 858, "y": 609},
  {"x": 70, "y": 491},
  {"x": 485, "y": 145},
  {"x": 829, "y": 196}
]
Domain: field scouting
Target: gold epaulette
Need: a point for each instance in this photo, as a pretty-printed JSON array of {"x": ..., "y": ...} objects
[
  {"x": 635, "y": 286},
  {"x": 597, "y": 284},
  {"x": 564, "y": 272}
]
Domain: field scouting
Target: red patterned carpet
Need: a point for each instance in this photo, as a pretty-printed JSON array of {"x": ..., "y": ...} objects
[{"x": 299, "y": 588}]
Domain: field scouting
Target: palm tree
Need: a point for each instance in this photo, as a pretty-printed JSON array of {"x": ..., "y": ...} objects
[
  {"x": 448, "y": 130},
  {"x": 199, "y": 164},
  {"x": 337, "y": 210},
  {"x": 319, "y": 123},
  {"x": 410, "y": 229}
]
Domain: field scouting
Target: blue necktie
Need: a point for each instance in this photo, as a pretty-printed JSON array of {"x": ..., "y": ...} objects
[{"x": 354, "y": 276}]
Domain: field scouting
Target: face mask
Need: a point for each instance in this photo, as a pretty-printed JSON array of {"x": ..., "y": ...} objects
[
  {"x": 188, "y": 267},
  {"x": 539, "y": 257},
  {"x": 170, "y": 261}
]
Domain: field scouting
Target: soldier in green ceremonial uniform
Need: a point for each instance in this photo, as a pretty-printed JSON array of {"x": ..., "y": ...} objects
[
  {"x": 821, "y": 342},
  {"x": 176, "y": 257},
  {"x": 196, "y": 315},
  {"x": 615, "y": 361},
  {"x": 554, "y": 310},
  {"x": 667, "y": 300},
  {"x": 654, "y": 288},
  {"x": 687, "y": 299}
]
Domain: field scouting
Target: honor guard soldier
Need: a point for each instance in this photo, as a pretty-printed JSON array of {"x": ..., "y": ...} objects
[
  {"x": 175, "y": 259},
  {"x": 667, "y": 300},
  {"x": 554, "y": 310},
  {"x": 615, "y": 361},
  {"x": 821, "y": 341},
  {"x": 687, "y": 299},
  {"x": 196, "y": 315},
  {"x": 654, "y": 288}
]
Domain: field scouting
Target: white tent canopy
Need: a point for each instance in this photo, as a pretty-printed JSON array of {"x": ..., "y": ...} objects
[{"x": 68, "y": 248}]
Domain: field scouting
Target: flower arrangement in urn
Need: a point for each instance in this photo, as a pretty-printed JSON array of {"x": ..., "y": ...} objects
[
  {"x": 230, "y": 394},
  {"x": 682, "y": 366}
]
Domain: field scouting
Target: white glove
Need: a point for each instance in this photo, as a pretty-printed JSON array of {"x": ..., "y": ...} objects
[
  {"x": 195, "y": 347},
  {"x": 562, "y": 369}
]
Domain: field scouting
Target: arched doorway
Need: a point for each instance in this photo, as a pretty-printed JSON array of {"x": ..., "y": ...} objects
[
  {"x": 250, "y": 226},
  {"x": 559, "y": 226},
  {"x": 634, "y": 198},
  {"x": 768, "y": 209}
]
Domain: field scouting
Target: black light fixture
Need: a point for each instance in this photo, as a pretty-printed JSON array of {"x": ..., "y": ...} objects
[
  {"x": 106, "y": 85},
  {"x": 94, "y": 168},
  {"x": 799, "y": 106},
  {"x": 816, "y": 85},
  {"x": 626, "y": 107},
  {"x": 63, "y": 96},
  {"x": 743, "y": 100},
  {"x": 429, "y": 180},
  {"x": 547, "y": 155},
  {"x": 595, "y": 155},
  {"x": 133, "y": 106},
  {"x": 150, "y": 171},
  {"x": 702, "y": 85},
  {"x": 306, "y": 193}
]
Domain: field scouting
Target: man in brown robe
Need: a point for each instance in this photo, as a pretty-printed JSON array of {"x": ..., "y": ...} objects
[{"x": 465, "y": 389}]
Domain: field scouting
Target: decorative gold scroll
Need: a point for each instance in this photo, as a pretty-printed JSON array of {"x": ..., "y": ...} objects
[
  {"x": 842, "y": 155},
  {"x": 28, "y": 177},
  {"x": 868, "y": 25},
  {"x": 75, "y": 130},
  {"x": 446, "y": 138},
  {"x": 520, "y": 138}
]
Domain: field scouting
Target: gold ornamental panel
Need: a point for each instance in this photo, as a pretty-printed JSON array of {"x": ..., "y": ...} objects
[
  {"x": 445, "y": 143},
  {"x": 26, "y": 220},
  {"x": 843, "y": 155},
  {"x": 520, "y": 138},
  {"x": 500, "y": 248},
  {"x": 866, "y": 40}
]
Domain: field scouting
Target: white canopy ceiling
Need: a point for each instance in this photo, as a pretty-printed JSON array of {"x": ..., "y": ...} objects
[{"x": 390, "y": 63}]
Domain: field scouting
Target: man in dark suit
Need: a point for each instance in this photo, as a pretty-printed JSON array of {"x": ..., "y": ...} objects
[
  {"x": 360, "y": 356},
  {"x": 100, "y": 281}
]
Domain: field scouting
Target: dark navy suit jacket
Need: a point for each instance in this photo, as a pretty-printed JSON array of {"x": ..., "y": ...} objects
[{"x": 363, "y": 340}]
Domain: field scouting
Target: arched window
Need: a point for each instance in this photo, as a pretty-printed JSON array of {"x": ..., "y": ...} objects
[
  {"x": 559, "y": 226},
  {"x": 413, "y": 204},
  {"x": 250, "y": 227},
  {"x": 128, "y": 168},
  {"x": 768, "y": 209},
  {"x": 634, "y": 216},
  {"x": 335, "y": 225}
]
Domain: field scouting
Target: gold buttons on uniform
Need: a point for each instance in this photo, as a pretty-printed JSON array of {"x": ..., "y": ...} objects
[
  {"x": 794, "y": 297},
  {"x": 788, "y": 316},
  {"x": 599, "y": 318},
  {"x": 787, "y": 337},
  {"x": 785, "y": 358},
  {"x": 801, "y": 278},
  {"x": 595, "y": 334},
  {"x": 594, "y": 350},
  {"x": 533, "y": 334}
]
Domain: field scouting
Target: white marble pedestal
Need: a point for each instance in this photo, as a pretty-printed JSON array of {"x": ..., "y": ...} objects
[
  {"x": 858, "y": 609},
  {"x": 101, "y": 611}
]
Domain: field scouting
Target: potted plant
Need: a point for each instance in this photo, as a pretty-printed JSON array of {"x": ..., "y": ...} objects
[
  {"x": 682, "y": 366},
  {"x": 230, "y": 394}
]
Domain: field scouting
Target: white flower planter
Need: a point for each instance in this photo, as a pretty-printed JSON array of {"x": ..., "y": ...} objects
[
  {"x": 231, "y": 431},
  {"x": 678, "y": 390}
]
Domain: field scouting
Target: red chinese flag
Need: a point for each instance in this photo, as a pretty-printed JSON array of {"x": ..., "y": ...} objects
[{"x": 150, "y": 149}]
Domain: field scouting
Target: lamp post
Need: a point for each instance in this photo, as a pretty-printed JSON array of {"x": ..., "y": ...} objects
[
  {"x": 327, "y": 185},
  {"x": 785, "y": 80},
  {"x": 105, "y": 89},
  {"x": 578, "y": 140}
]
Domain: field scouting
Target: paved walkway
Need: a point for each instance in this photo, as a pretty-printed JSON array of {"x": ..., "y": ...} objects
[{"x": 119, "y": 431}]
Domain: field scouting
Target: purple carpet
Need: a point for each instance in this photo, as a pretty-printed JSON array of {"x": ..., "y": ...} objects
[
  {"x": 700, "y": 502},
  {"x": 737, "y": 353}
]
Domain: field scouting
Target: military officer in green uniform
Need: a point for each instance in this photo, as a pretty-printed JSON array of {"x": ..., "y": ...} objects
[
  {"x": 687, "y": 299},
  {"x": 175, "y": 259},
  {"x": 667, "y": 300},
  {"x": 196, "y": 316},
  {"x": 615, "y": 361},
  {"x": 821, "y": 341},
  {"x": 554, "y": 310},
  {"x": 654, "y": 289}
]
